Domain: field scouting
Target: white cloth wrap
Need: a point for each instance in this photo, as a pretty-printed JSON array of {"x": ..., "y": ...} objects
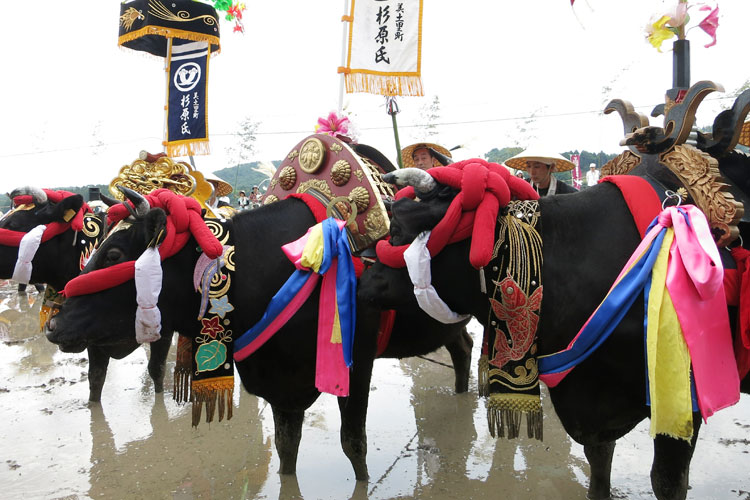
[
  {"x": 148, "y": 276},
  {"x": 26, "y": 251},
  {"x": 418, "y": 259},
  {"x": 552, "y": 185}
]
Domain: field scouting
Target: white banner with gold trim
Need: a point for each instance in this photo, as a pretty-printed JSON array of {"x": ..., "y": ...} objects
[{"x": 385, "y": 47}]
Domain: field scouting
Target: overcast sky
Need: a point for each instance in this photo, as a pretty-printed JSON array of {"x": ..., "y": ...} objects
[{"x": 76, "y": 107}]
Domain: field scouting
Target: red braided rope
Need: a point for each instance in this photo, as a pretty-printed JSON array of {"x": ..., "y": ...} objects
[
  {"x": 11, "y": 238},
  {"x": 183, "y": 220},
  {"x": 484, "y": 188}
]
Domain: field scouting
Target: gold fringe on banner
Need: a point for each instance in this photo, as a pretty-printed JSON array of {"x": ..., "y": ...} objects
[
  {"x": 170, "y": 33},
  {"x": 210, "y": 391},
  {"x": 191, "y": 147},
  {"x": 384, "y": 84},
  {"x": 504, "y": 413},
  {"x": 182, "y": 370}
]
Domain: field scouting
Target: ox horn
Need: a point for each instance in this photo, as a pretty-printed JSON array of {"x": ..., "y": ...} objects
[
  {"x": 422, "y": 182},
  {"x": 38, "y": 195},
  {"x": 110, "y": 202},
  {"x": 140, "y": 203}
]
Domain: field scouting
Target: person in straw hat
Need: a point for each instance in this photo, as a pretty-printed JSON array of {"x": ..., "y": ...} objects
[
  {"x": 425, "y": 155},
  {"x": 540, "y": 165},
  {"x": 221, "y": 190}
]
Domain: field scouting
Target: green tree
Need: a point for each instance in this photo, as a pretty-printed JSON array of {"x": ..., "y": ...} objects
[
  {"x": 500, "y": 155},
  {"x": 247, "y": 175}
]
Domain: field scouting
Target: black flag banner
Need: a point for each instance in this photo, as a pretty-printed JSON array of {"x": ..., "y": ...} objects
[{"x": 187, "y": 120}]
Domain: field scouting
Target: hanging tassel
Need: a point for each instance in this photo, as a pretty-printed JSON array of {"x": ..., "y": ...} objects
[
  {"x": 182, "y": 370},
  {"x": 505, "y": 412},
  {"x": 482, "y": 282},
  {"x": 208, "y": 392},
  {"x": 483, "y": 383}
]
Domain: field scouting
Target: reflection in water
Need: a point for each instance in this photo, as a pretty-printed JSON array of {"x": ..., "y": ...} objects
[
  {"x": 423, "y": 440},
  {"x": 217, "y": 461},
  {"x": 458, "y": 454}
]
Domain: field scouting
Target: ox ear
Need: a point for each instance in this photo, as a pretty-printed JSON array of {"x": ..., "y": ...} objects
[
  {"x": 66, "y": 209},
  {"x": 411, "y": 217},
  {"x": 156, "y": 227}
]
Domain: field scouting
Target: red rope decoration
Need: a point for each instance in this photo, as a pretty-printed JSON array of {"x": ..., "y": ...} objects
[
  {"x": 11, "y": 238},
  {"x": 183, "y": 220},
  {"x": 484, "y": 188}
]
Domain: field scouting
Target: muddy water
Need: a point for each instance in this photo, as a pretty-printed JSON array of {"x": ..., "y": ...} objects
[{"x": 424, "y": 441}]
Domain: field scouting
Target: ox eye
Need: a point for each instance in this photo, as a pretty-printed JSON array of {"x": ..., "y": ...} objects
[{"x": 113, "y": 255}]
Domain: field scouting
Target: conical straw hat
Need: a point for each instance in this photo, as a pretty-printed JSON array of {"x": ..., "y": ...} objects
[
  {"x": 409, "y": 150},
  {"x": 561, "y": 163}
]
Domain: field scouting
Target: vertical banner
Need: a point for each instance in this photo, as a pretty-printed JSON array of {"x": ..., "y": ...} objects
[
  {"x": 576, "y": 159},
  {"x": 385, "y": 47},
  {"x": 187, "y": 120}
]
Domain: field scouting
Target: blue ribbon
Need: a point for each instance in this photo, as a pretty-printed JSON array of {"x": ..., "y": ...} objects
[
  {"x": 335, "y": 245},
  {"x": 608, "y": 315}
]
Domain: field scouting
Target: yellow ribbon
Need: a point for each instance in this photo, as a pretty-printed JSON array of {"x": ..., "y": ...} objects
[{"x": 668, "y": 357}]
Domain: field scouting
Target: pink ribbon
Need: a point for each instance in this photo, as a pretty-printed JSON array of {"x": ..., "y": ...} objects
[
  {"x": 695, "y": 280},
  {"x": 331, "y": 372}
]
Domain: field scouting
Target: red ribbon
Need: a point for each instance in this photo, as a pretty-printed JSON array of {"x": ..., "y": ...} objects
[
  {"x": 11, "y": 238},
  {"x": 484, "y": 188},
  {"x": 183, "y": 220},
  {"x": 742, "y": 340}
]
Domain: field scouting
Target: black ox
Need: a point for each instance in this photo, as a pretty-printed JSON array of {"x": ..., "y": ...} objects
[
  {"x": 282, "y": 371},
  {"x": 587, "y": 238},
  {"x": 56, "y": 262}
]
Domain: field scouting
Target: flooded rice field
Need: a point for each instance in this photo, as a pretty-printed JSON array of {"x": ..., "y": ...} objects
[{"x": 424, "y": 441}]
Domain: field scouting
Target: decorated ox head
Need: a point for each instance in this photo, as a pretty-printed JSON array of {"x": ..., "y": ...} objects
[
  {"x": 391, "y": 287},
  {"x": 57, "y": 259},
  {"x": 102, "y": 309}
]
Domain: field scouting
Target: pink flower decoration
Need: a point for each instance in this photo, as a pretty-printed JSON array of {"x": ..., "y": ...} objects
[
  {"x": 710, "y": 23},
  {"x": 334, "y": 125},
  {"x": 678, "y": 15}
]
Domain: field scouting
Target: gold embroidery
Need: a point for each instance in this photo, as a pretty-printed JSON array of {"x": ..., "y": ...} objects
[
  {"x": 157, "y": 9},
  {"x": 129, "y": 17}
]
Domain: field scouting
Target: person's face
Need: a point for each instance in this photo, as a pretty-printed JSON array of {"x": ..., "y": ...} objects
[
  {"x": 422, "y": 158},
  {"x": 539, "y": 173}
]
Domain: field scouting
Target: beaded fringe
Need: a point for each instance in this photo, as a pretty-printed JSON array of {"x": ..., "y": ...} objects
[{"x": 504, "y": 412}]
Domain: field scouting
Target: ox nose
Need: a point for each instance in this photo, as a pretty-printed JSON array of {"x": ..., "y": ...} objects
[{"x": 49, "y": 328}]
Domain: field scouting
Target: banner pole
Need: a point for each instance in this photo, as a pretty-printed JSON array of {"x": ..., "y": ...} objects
[
  {"x": 391, "y": 107},
  {"x": 398, "y": 143},
  {"x": 344, "y": 37},
  {"x": 167, "y": 62}
]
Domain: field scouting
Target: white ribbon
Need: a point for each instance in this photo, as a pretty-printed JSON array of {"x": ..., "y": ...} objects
[
  {"x": 418, "y": 259},
  {"x": 26, "y": 251},
  {"x": 148, "y": 275}
]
